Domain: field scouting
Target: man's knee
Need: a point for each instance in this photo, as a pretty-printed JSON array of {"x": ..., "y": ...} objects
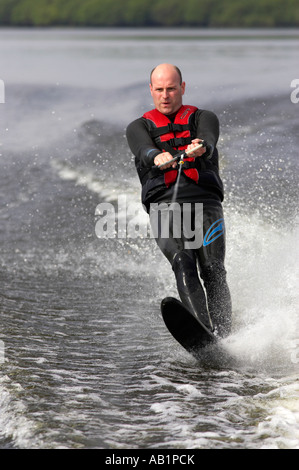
[
  {"x": 183, "y": 259},
  {"x": 185, "y": 269}
]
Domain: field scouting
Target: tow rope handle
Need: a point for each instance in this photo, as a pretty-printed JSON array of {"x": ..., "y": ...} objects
[{"x": 181, "y": 155}]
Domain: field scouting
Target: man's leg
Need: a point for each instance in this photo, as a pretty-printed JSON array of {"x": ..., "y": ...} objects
[
  {"x": 184, "y": 265},
  {"x": 189, "y": 285},
  {"x": 212, "y": 271}
]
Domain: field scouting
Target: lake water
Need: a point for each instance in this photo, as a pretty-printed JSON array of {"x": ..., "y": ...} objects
[{"x": 86, "y": 361}]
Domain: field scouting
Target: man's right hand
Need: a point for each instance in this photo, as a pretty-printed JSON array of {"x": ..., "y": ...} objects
[{"x": 163, "y": 159}]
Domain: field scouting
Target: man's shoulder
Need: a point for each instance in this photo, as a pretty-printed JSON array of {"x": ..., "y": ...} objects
[
  {"x": 136, "y": 122},
  {"x": 205, "y": 111},
  {"x": 136, "y": 127},
  {"x": 206, "y": 114}
]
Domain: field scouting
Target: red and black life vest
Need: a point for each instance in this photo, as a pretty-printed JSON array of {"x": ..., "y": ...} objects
[{"x": 172, "y": 137}]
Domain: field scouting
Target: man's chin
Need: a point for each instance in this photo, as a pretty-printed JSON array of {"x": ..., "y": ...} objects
[
  {"x": 169, "y": 109},
  {"x": 166, "y": 109}
]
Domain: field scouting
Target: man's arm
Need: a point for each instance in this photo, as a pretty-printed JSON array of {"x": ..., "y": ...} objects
[
  {"x": 141, "y": 143},
  {"x": 207, "y": 125},
  {"x": 142, "y": 146}
]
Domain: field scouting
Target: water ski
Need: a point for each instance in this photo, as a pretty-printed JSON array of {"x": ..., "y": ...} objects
[{"x": 184, "y": 327}]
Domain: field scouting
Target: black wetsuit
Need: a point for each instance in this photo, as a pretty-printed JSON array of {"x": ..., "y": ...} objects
[{"x": 212, "y": 304}]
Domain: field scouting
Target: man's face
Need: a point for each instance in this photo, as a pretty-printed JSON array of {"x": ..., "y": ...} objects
[{"x": 166, "y": 90}]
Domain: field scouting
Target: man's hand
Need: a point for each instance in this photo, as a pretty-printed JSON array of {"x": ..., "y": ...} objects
[
  {"x": 163, "y": 158},
  {"x": 197, "y": 153}
]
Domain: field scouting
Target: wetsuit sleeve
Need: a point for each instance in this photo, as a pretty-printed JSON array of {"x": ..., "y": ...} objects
[
  {"x": 141, "y": 143},
  {"x": 207, "y": 128}
]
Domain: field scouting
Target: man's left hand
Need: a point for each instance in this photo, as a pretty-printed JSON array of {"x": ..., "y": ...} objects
[{"x": 197, "y": 153}]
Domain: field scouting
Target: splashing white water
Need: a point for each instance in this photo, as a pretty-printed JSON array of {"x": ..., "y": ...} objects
[{"x": 263, "y": 267}]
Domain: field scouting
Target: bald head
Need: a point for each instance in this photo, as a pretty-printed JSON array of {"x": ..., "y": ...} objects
[
  {"x": 167, "y": 88},
  {"x": 162, "y": 68}
]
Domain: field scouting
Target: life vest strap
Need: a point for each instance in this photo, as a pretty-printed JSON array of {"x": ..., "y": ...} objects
[
  {"x": 171, "y": 127},
  {"x": 179, "y": 141}
]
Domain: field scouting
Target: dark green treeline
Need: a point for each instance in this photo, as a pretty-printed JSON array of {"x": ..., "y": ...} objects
[{"x": 204, "y": 13}]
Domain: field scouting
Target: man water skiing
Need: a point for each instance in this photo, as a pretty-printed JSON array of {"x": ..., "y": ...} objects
[{"x": 154, "y": 139}]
